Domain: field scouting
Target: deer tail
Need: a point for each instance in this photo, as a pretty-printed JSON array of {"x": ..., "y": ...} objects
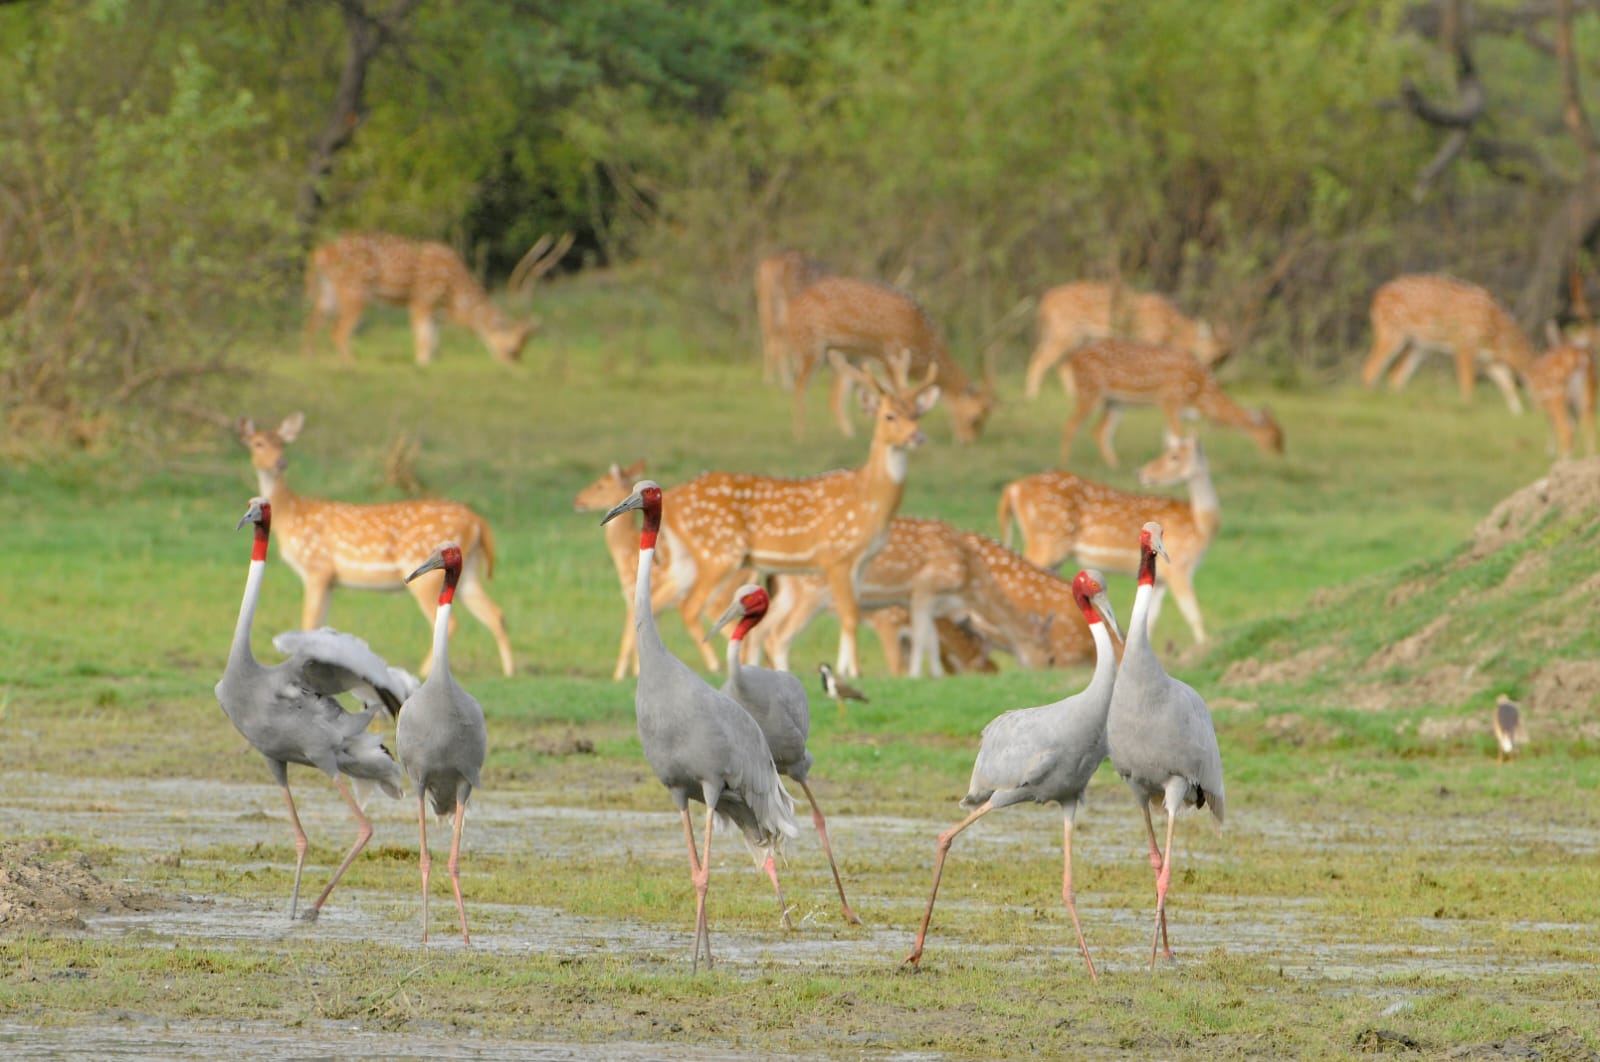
[{"x": 486, "y": 542}]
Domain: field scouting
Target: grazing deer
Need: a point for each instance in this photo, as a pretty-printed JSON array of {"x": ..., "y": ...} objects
[
  {"x": 622, "y": 541},
  {"x": 832, "y": 523},
  {"x": 927, "y": 567},
  {"x": 779, "y": 278},
  {"x": 355, "y": 268},
  {"x": 962, "y": 650},
  {"x": 861, "y": 319},
  {"x": 1422, "y": 312},
  {"x": 373, "y": 546},
  {"x": 1035, "y": 591},
  {"x": 1117, "y": 372},
  {"x": 1062, "y": 515},
  {"x": 1562, "y": 382},
  {"x": 1073, "y": 314}
]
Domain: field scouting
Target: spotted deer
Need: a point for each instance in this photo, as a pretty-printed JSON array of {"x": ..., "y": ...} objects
[
  {"x": 779, "y": 278},
  {"x": 1117, "y": 372},
  {"x": 1562, "y": 383},
  {"x": 962, "y": 650},
  {"x": 371, "y": 546},
  {"x": 1073, "y": 314},
  {"x": 861, "y": 319},
  {"x": 346, "y": 273},
  {"x": 622, "y": 542},
  {"x": 1422, "y": 312},
  {"x": 1062, "y": 515},
  {"x": 1035, "y": 591},
  {"x": 927, "y": 567},
  {"x": 832, "y": 523}
]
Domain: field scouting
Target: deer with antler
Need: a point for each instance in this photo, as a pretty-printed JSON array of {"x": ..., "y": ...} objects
[
  {"x": 928, "y": 567},
  {"x": 1071, "y": 315},
  {"x": 862, "y": 319},
  {"x": 779, "y": 278},
  {"x": 370, "y": 546},
  {"x": 1111, "y": 373},
  {"x": 1062, "y": 515},
  {"x": 346, "y": 273},
  {"x": 833, "y": 523}
]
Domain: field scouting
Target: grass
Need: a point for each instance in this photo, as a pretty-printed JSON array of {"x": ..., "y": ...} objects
[{"x": 1393, "y": 876}]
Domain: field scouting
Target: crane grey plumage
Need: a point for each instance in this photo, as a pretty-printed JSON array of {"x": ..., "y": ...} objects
[
  {"x": 288, "y": 713},
  {"x": 1160, "y": 734},
  {"x": 701, "y": 744},
  {"x": 334, "y": 662},
  {"x": 442, "y": 738},
  {"x": 777, "y": 701},
  {"x": 1044, "y": 755}
]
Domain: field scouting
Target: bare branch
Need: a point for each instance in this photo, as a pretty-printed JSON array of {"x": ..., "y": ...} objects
[{"x": 1448, "y": 152}]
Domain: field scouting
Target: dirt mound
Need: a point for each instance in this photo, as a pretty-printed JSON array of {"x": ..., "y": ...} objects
[
  {"x": 42, "y": 887},
  {"x": 1571, "y": 488}
]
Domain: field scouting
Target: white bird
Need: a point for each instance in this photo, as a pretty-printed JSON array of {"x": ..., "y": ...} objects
[
  {"x": 288, "y": 713},
  {"x": 701, "y": 744},
  {"x": 777, "y": 700},
  {"x": 1162, "y": 740},
  {"x": 1044, "y": 754},
  {"x": 441, "y": 737}
]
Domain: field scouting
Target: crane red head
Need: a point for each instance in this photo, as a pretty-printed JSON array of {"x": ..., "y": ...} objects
[
  {"x": 1089, "y": 589},
  {"x": 646, "y": 497},
  {"x": 448, "y": 557},
  {"x": 1149, "y": 547},
  {"x": 749, "y": 605},
  {"x": 260, "y": 514}
]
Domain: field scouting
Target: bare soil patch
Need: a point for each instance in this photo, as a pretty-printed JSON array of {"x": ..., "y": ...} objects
[
  {"x": 1571, "y": 488},
  {"x": 44, "y": 887},
  {"x": 1297, "y": 668}
]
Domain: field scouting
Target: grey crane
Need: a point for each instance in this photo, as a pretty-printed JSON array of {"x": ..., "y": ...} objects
[
  {"x": 441, "y": 737},
  {"x": 1162, "y": 740},
  {"x": 1507, "y": 728},
  {"x": 701, "y": 744},
  {"x": 777, "y": 700},
  {"x": 1044, "y": 754},
  {"x": 287, "y": 711},
  {"x": 839, "y": 691}
]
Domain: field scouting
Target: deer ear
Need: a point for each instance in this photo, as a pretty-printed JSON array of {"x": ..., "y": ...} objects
[
  {"x": 926, "y": 398},
  {"x": 1172, "y": 439},
  {"x": 289, "y": 430},
  {"x": 616, "y": 472},
  {"x": 246, "y": 428},
  {"x": 635, "y": 471}
]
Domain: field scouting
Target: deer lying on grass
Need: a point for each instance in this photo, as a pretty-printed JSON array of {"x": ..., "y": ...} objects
[
  {"x": 1117, "y": 372},
  {"x": 373, "y": 546},
  {"x": 351, "y": 270},
  {"x": 833, "y": 523},
  {"x": 622, "y": 541},
  {"x": 927, "y": 567},
  {"x": 779, "y": 278},
  {"x": 1073, "y": 314},
  {"x": 1562, "y": 382},
  {"x": 962, "y": 650},
  {"x": 1422, "y": 312},
  {"x": 861, "y": 319},
  {"x": 1062, "y": 515}
]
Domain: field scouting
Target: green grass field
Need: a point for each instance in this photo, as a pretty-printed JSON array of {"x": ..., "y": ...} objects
[{"x": 1381, "y": 881}]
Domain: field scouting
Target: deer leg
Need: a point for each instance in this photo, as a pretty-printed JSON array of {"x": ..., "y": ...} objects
[
  {"x": 478, "y": 602},
  {"x": 1044, "y": 358},
  {"x": 1104, "y": 431},
  {"x": 707, "y": 580},
  {"x": 349, "y": 316},
  {"x": 1583, "y": 389},
  {"x": 314, "y": 607},
  {"x": 1084, "y": 406},
  {"x": 804, "y": 365},
  {"x": 1181, "y": 583},
  {"x": 1466, "y": 369},
  {"x": 1406, "y": 366},
  {"x": 1506, "y": 380},
  {"x": 626, "y": 649},
  {"x": 1556, "y": 410},
  {"x": 886, "y": 623},
  {"x": 319, "y": 294},
  {"x": 842, "y": 582},
  {"x": 838, "y": 401},
  {"x": 424, "y": 332},
  {"x": 924, "y": 636},
  {"x": 1386, "y": 347}
]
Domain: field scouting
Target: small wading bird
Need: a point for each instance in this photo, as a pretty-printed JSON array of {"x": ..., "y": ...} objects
[
  {"x": 1507, "y": 728},
  {"x": 441, "y": 737},
  {"x": 701, "y": 744},
  {"x": 778, "y": 703},
  {"x": 1045, "y": 754},
  {"x": 1160, "y": 734},
  {"x": 288, "y": 713},
  {"x": 837, "y": 690}
]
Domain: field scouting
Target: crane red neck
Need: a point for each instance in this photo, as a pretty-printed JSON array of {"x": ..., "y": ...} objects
[
  {"x": 1147, "y": 561},
  {"x": 258, "y": 552},
  {"x": 652, "y": 518},
  {"x": 1083, "y": 590},
  {"x": 452, "y": 574}
]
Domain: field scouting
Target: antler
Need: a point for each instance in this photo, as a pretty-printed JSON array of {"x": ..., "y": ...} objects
[{"x": 540, "y": 259}]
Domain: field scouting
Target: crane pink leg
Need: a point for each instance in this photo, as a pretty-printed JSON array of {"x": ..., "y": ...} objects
[
  {"x": 455, "y": 868},
  {"x": 822, "y": 832},
  {"x": 1156, "y": 863},
  {"x": 783, "y": 905},
  {"x": 300, "y": 847},
  {"x": 1066, "y": 894},
  {"x": 1163, "y": 880},
  {"x": 426, "y": 862},
  {"x": 363, "y": 835},
  {"x": 945, "y": 840},
  {"x": 700, "y": 877}
]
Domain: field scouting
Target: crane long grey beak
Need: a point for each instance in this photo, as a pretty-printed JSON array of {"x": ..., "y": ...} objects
[
  {"x": 1103, "y": 604},
  {"x": 251, "y": 515},
  {"x": 631, "y": 502},
  {"x": 432, "y": 563},
  {"x": 735, "y": 611}
]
